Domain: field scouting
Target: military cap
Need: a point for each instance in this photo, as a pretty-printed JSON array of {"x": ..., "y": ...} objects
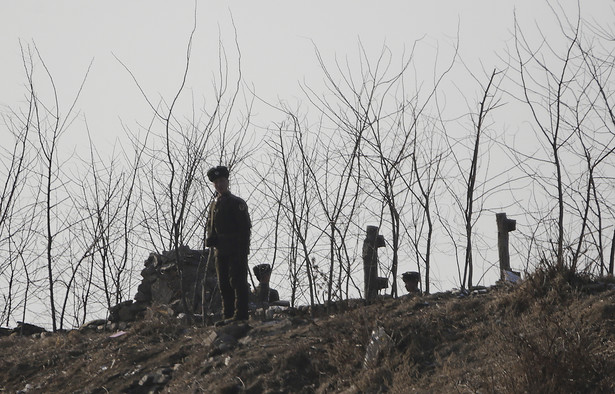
[
  {"x": 410, "y": 275},
  {"x": 217, "y": 172},
  {"x": 261, "y": 269}
]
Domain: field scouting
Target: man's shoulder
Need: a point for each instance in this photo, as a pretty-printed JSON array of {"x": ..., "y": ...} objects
[
  {"x": 237, "y": 199},
  {"x": 237, "y": 202}
]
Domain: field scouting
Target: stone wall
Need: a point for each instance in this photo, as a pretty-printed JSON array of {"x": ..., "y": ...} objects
[{"x": 160, "y": 285}]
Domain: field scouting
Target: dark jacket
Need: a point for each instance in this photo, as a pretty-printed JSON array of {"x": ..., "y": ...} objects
[{"x": 229, "y": 223}]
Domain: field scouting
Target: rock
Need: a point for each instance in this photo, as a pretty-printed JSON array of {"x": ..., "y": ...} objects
[
  {"x": 154, "y": 381},
  {"x": 479, "y": 290},
  {"x": 146, "y": 380},
  {"x": 161, "y": 284},
  {"x": 210, "y": 338},
  {"x": 378, "y": 345},
  {"x": 126, "y": 314},
  {"x": 93, "y": 324},
  {"x": 420, "y": 305},
  {"x": 162, "y": 293},
  {"x": 236, "y": 330},
  {"x": 127, "y": 311},
  {"x": 351, "y": 390},
  {"x": 26, "y": 389},
  {"x": 114, "y": 311},
  {"x": 273, "y": 327},
  {"x": 275, "y": 311},
  {"x": 5, "y": 332},
  {"x": 222, "y": 344},
  {"x": 28, "y": 329}
]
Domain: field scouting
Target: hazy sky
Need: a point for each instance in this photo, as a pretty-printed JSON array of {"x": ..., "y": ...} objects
[{"x": 276, "y": 39}]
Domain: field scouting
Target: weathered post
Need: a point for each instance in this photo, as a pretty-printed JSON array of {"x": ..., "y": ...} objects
[
  {"x": 505, "y": 226},
  {"x": 373, "y": 283},
  {"x": 612, "y": 257}
]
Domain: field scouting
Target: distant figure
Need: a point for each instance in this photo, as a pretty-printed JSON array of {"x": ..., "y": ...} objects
[
  {"x": 411, "y": 281},
  {"x": 228, "y": 233},
  {"x": 263, "y": 292}
]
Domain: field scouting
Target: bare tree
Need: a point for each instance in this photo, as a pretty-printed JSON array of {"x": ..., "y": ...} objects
[
  {"x": 427, "y": 162},
  {"x": 375, "y": 108},
  {"x": 487, "y": 103},
  {"x": 332, "y": 173},
  {"x": 549, "y": 111},
  {"x": 296, "y": 200},
  {"x": 15, "y": 168},
  {"x": 106, "y": 228},
  {"x": 172, "y": 206},
  {"x": 49, "y": 124},
  {"x": 567, "y": 91},
  {"x": 600, "y": 135}
]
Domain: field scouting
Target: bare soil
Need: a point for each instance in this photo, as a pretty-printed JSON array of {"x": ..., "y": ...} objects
[{"x": 552, "y": 333}]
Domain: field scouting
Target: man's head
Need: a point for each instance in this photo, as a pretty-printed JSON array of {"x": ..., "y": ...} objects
[
  {"x": 219, "y": 177},
  {"x": 262, "y": 272},
  {"x": 411, "y": 281}
]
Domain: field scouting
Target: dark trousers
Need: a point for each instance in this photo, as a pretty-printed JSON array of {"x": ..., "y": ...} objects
[{"x": 233, "y": 282}]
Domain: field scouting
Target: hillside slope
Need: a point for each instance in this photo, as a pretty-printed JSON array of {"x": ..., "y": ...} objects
[{"x": 552, "y": 333}]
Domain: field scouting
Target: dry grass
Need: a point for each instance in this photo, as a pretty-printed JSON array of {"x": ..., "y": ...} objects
[{"x": 555, "y": 332}]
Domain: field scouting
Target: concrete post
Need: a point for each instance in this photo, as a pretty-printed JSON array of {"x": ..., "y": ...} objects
[
  {"x": 505, "y": 226},
  {"x": 373, "y": 283}
]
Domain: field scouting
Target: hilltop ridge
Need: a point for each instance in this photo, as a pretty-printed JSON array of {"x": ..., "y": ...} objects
[{"x": 554, "y": 332}]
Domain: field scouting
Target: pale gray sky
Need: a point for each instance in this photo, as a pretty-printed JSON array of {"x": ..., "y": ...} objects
[{"x": 276, "y": 39}]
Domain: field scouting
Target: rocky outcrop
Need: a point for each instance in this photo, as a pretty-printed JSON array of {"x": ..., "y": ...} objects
[
  {"x": 163, "y": 279},
  {"x": 25, "y": 329}
]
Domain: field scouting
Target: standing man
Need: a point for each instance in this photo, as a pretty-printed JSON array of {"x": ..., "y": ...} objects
[{"x": 228, "y": 232}]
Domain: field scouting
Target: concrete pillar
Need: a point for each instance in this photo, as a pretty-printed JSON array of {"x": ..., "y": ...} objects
[
  {"x": 505, "y": 226},
  {"x": 373, "y": 283}
]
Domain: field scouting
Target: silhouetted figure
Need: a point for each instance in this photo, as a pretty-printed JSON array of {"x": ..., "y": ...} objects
[
  {"x": 411, "y": 281},
  {"x": 228, "y": 232},
  {"x": 263, "y": 292}
]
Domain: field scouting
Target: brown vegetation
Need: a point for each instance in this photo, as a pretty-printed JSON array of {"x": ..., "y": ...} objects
[{"x": 552, "y": 333}]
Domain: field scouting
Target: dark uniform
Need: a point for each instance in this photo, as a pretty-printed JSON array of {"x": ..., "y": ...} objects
[
  {"x": 228, "y": 231},
  {"x": 263, "y": 292}
]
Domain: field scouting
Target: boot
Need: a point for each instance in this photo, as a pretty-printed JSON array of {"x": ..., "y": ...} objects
[{"x": 234, "y": 319}]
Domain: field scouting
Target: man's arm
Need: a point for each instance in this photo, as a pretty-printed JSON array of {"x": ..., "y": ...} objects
[
  {"x": 211, "y": 238},
  {"x": 244, "y": 224}
]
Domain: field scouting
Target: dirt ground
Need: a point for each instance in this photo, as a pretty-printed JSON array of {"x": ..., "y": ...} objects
[{"x": 552, "y": 333}]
